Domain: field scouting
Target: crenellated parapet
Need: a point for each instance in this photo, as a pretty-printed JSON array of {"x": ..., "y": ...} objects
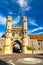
[{"x": 16, "y": 28}]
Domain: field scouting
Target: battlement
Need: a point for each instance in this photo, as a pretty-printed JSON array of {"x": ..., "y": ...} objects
[{"x": 16, "y": 27}]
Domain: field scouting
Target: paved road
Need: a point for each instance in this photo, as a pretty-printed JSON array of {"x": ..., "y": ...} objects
[{"x": 11, "y": 59}]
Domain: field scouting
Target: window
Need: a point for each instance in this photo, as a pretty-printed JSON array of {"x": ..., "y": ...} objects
[
  {"x": 39, "y": 43},
  {"x": 20, "y": 34},
  {"x": 0, "y": 49},
  {"x": 24, "y": 21},
  {"x": 1, "y": 43},
  {"x": 13, "y": 34},
  {"x": 9, "y": 20},
  {"x": 38, "y": 48}
]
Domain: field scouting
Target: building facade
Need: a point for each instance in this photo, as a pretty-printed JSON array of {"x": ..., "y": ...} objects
[{"x": 18, "y": 36}]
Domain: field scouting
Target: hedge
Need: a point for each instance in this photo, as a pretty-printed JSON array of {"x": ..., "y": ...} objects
[{"x": 30, "y": 48}]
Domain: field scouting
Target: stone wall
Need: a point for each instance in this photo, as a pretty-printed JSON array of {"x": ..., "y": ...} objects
[
  {"x": 40, "y": 45},
  {"x": 2, "y": 41},
  {"x": 34, "y": 43}
]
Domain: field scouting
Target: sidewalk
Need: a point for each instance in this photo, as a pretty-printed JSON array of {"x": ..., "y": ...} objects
[{"x": 35, "y": 52}]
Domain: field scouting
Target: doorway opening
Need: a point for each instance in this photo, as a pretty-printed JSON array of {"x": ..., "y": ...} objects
[{"x": 17, "y": 47}]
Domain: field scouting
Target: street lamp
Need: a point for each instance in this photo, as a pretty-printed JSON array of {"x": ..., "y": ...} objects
[{"x": 32, "y": 47}]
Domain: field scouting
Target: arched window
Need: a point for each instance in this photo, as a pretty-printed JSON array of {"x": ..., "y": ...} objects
[
  {"x": 20, "y": 34},
  {"x": 13, "y": 34}
]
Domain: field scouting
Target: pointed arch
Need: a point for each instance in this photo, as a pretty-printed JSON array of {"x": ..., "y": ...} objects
[{"x": 16, "y": 46}]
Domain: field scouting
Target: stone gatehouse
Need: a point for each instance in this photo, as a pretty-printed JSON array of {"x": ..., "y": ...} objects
[{"x": 18, "y": 36}]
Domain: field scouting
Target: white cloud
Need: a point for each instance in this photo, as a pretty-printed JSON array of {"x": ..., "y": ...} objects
[
  {"x": 32, "y": 22},
  {"x": 24, "y": 5},
  {"x": 36, "y": 29},
  {"x": 39, "y": 33},
  {"x": 28, "y": 8},
  {"x": 2, "y": 20},
  {"x": 16, "y": 20},
  {"x": 10, "y": 12}
]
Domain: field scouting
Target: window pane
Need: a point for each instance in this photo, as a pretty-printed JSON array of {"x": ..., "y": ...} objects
[{"x": 13, "y": 34}]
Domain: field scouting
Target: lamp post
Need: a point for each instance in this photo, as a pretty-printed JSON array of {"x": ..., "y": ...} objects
[{"x": 32, "y": 47}]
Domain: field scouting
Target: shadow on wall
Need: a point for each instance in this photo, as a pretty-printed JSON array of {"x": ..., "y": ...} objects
[{"x": 3, "y": 62}]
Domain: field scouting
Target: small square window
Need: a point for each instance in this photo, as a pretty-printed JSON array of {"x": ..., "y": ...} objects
[{"x": 38, "y": 48}]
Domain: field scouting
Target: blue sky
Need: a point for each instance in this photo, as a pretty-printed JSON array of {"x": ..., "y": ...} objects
[{"x": 32, "y": 9}]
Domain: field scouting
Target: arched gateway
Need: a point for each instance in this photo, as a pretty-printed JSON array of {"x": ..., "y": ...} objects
[
  {"x": 17, "y": 46},
  {"x": 14, "y": 35}
]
